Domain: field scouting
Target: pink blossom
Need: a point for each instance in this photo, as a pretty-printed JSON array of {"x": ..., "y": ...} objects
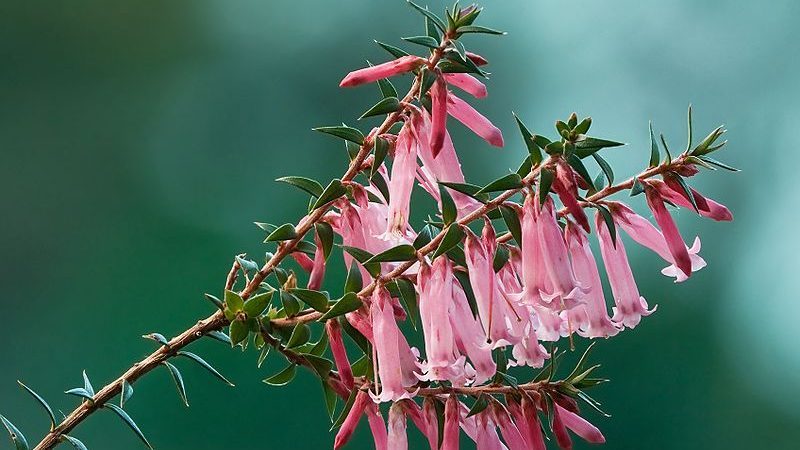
[
  {"x": 334, "y": 331},
  {"x": 477, "y": 59},
  {"x": 421, "y": 421},
  {"x": 470, "y": 337},
  {"x": 303, "y": 260},
  {"x": 566, "y": 291},
  {"x": 401, "y": 183},
  {"x": 452, "y": 419},
  {"x": 511, "y": 434},
  {"x": 467, "y": 83},
  {"x": 527, "y": 419},
  {"x": 439, "y": 116},
  {"x": 560, "y": 429},
  {"x": 597, "y": 322},
  {"x": 647, "y": 235},
  {"x": 318, "y": 269},
  {"x": 564, "y": 185},
  {"x": 630, "y": 305},
  {"x": 705, "y": 206},
  {"x": 369, "y": 74},
  {"x": 579, "y": 425},
  {"x": 473, "y": 120},
  {"x": 397, "y": 438},
  {"x": 351, "y": 420},
  {"x": 486, "y": 435},
  {"x": 533, "y": 271},
  {"x": 670, "y": 231},
  {"x": 386, "y": 338},
  {"x": 430, "y": 416},
  {"x": 377, "y": 427}
]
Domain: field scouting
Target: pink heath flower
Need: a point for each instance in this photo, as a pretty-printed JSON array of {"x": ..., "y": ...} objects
[
  {"x": 438, "y": 116},
  {"x": 369, "y": 74},
  {"x": 467, "y": 83},
  {"x": 508, "y": 429},
  {"x": 404, "y": 169},
  {"x": 705, "y": 206},
  {"x": 630, "y": 305},
  {"x": 647, "y": 235},
  {"x": 565, "y": 186},
  {"x": 486, "y": 434},
  {"x": 377, "y": 427},
  {"x": 597, "y": 322},
  {"x": 566, "y": 292},
  {"x": 672, "y": 235},
  {"x": 318, "y": 269},
  {"x": 386, "y": 337},
  {"x": 578, "y": 425},
  {"x": 397, "y": 438},
  {"x": 452, "y": 420},
  {"x": 533, "y": 272},
  {"x": 527, "y": 419},
  {"x": 334, "y": 331},
  {"x": 477, "y": 59},
  {"x": 429, "y": 428},
  {"x": 351, "y": 421},
  {"x": 473, "y": 120},
  {"x": 470, "y": 337}
]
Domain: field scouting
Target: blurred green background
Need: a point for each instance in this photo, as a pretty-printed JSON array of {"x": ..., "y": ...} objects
[{"x": 140, "y": 139}]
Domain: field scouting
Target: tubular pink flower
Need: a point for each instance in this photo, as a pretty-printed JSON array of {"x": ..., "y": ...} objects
[
  {"x": 334, "y": 331},
  {"x": 566, "y": 292},
  {"x": 511, "y": 434},
  {"x": 470, "y": 337},
  {"x": 477, "y": 59},
  {"x": 486, "y": 434},
  {"x": 303, "y": 260},
  {"x": 452, "y": 420},
  {"x": 598, "y": 323},
  {"x": 467, "y": 83},
  {"x": 579, "y": 426},
  {"x": 630, "y": 305},
  {"x": 670, "y": 231},
  {"x": 647, "y": 235},
  {"x": 351, "y": 421},
  {"x": 706, "y": 207},
  {"x": 369, "y": 74},
  {"x": 560, "y": 429},
  {"x": 564, "y": 185},
  {"x": 529, "y": 421},
  {"x": 473, "y": 120},
  {"x": 533, "y": 271},
  {"x": 430, "y": 416},
  {"x": 401, "y": 183},
  {"x": 377, "y": 427},
  {"x": 438, "y": 116},
  {"x": 318, "y": 269},
  {"x": 414, "y": 412},
  {"x": 397, "y": 438},
  {"x": 387, "y": 347}
]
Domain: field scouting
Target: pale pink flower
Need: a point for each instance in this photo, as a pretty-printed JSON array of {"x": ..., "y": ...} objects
[
  {"x": 551, "y": 326},
  {"x": 511, "y": 434},
  {"x": 388, "y": 349},
  {"x": 670, "y": 231},
  {"x": 351, "y": 420},
  {"x": 467, "y": 83},
  {"x": 404, "y": 168},
  {"x": 566, "y": 292},
  {"x": 426, "y": 427},
  {"x": 470, "y": 337},
  {"x": 630, "y": 305},
  {"x": 334, "y": 331},
  {"x": 397, "y": 438},
  {"x": 579, "y": 425},
  {"x": 527, "y": 419},
  {"x": 565, "y": 186},
  {"x": 647, "y": 235},
  {"x": 473, "y": 120},
  {"x": 452, "y": 419},
  {"x": 597, "y": 322},
  {"x": 486, "y": 434},
  {"x": 430, "y": 416},
  {"x": 369, "y": 74},
  {"x": 377, "y": 427},
  {"x": 438, "y": 116},
  {"x": 705, "y": 206},
  {"x": 533, "y": 271}
]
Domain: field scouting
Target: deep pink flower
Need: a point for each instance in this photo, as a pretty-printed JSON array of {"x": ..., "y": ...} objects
[
  {"x": 452, "y": 419},
  {"x": 473, "y": 120},
  {"x": 579, "y": 425},
  {"x": 630, "y": 305},
  {"x": 376, "y": 426},
  {"x": 706, "y": 207},
  {"x": 529, "y": 421},
  {"x": 438, "y": 116},
  {"x": 404, "y": 169},
  {"x": 334, "y": 331},
  {"x": 397, "y": 438},
  {"x": 430, "y": 416},
  {"x": 565, "y": 186},
  {"x": 303, "y": 260},
  {"x": 486, "y": 434},
  {"x": 351, "y": 421},
  {"x": 560, "y": 429},
  {"x": 425, "y": 426},
  {"x": 670, "y": 231},
  {"x": 369, "y": 74},
  {"x": 467, "y": 83},
  {"x": 566, "y": 292},
  {"x": 389, "y": 351},
  {"x": 511, "y": 434},
  {"x": 597, "y": 322},
  {"x": 477, "y": 59},
  {"x": 318, "y": 269}
]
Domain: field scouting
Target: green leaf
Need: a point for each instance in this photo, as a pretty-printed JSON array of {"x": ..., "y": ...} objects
[
  {"x": 334, "y": 190},
  {"x": 429, "y": 15},
  {"x": 300, "y": 335},
  {"x": 380, "y": 183},
  {"x": 605, "y": 167},
  {"x": 589, "y": 145},
  {"x": 88, "y": 384},
  {"x": 504, "y": 183},
  {"x": 345, "y": 410},
  {"x": 234, "y": 304},
  {"x": 479, "y": 29},
  {"x": 284, "y": 232},
  {"x": 387, "y": 88},
  {"x": 80, "y": 392},
  {"x": 216, "y": 301},
  {"x": 363, "y": 256},
  {"x": 609, "y": 221},
  {"x": 128, "y": 421},
  {"x": 583, "y": 127},
  {"x": 501, "y": 256},
  {"x": 666, "y": 148},
  {"x": 381, "y": 150},
  {"x": 425, "y": 41},
  {"x": 291, "y": 305},
  {"x": 467, "y": 189},
  {"x": 126, "y": 392},
  {"x": 428, "y": 77},
  {"x": 706, "y": 146},
  {"x": 344, "y": 132},
  {"x": 257, "y": 304},
  {"x": 158, "y": 337},
  {"x": 178, "y": 379},
  {"x": 239, "y": 331},
  {"x": 283, "y": 377},
  {"x": 42, "y": 402},
  {"x": 452, "y": 238},
  {"x": 545, "y": 182},
  {"x": 356, "y": 336},
  {"x": 577, "y": 164},
  {"x": 385, "y": 106},
  {"x": 205, "y": 365},
  {"x": 449, "y": 210},
  {"x": 263, "y": 356},
  {"x": 330, "y": 399},
  {"x": 511, "y": 218},
  {"x": 322, "y": 366},
  {"x": 686, "y": 189},
  {"x": 312, "y": 298},
  {"x": 76, "y": 443},
  {"x": 307, "y": 184},
  {"x": 689, "y": 128},
  {"x": 403, "y": 252},
  {"x": 637, "y": 187},
  {"x": 719, "y": 164},
  {"x": 480, "y": 404},
  {"x": 219, "y": 336},
  {"x": 533, "y": 149},
  {"x": 325, "y": 233},
  {"x": 16, "y": 436},
  {"x": 394, "y": 51},
  {"x": 424, "y": 237},
  {"x": 408, "y": 296},
  {"x": 655, "y": 155},
  {"x": 562, "y": 128},
  {"x": 353, "y": 282}
]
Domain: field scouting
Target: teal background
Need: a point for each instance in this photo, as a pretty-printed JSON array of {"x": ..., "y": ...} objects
[{"x": 139, "y": 140}]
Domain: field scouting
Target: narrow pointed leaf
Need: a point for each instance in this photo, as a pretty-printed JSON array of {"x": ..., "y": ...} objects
[
  {"x": 504, "y": 183},
  {"x": 205, "y": 365},
  {"x": 545, "y": 182},
  {"x": 580, "y": 168},
  {"x": 533, "y": 149},
  {"x": 216, "y": 301},
  {"x": 257, "y": 304},
  {"x": 394, "y": 51},
  {"x": 125, "y": 393},
  {"x": 239, "y": 331},
  {"x": 609, "y": 221},
  {"x": 330, "y": 399},
  {"x": 408, "y": 296},
  {"x": 589, "y": 145},
  {"x": 479, "y": 29},
  {"x": 307, "y": 184},
  {"x": 449, "y": 211},
  {"x": 42, "y": 402},
  {"x": 480, "y": 404},
  {"x": 363, "y": 256},
  {"x": 334, "y": 190},
  {"x": 719, "y": 164},
  {"x": 429, "y": 15},
  {"x": 425, "y": 41},
  {"x": 381, "y": 150},
  {"x": 219, "y": 336},
  {"x": 282, "y": 233},
  {"x": 686, "y": 190},
  {"x": 353, "y": 282},
  {"x": 385, "y": 106},
  {"x": 655, "y": 155},
  {"x": 467, "y": 189},
  {"x": 637, "y": 187},
  {"x": 314, "y": 299},
  {"x": 689, "y": 129},
  {"x": 263, "y": 356},
  {"x": 403, "y": 252},
  {"x": 16, "y": 436},
  {"x": 325, "y": 233},
  {"x": 80, "y": 392},
  {"x": 511, "y": 218},
  {"x": 387, "y": 88},
  {"x": 129, "y": 422},
  {"x": 178, "y": 379},
  {"x": 76, "y": 443},
  {"x": 605, "y": 167},
  {"x": 300, "y": 335},
  {"x": 452, "y": 238},
  {"x": 322, "y": 366},
  {"x": 345, "y": 411},
  {"x": 283, "y": 377},
  {"x": 344, "y": 132},
  {"x": 158, "y": 337},
  {"x": 424, "y": 237}
]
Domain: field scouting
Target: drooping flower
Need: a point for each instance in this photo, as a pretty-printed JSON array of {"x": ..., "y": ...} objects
[
  {"x": 508, "y": 429},
  {"x": 670, "y": 231},
  {"x": 438, "y": 116},
  {"x": 477, "y": 59},
  {"x": 334, "y": 332},
  {"x": 318, "y": 268},
  {"x": 452, "y": 420},
  {"x": 565, "y": 187},
  {"x": 470, "y": 337},
  {"x": 404, "y": 170},
  {"x": 351, "y": 420},
  {"x": 467, "y": 83},
  {"x": 486, "y": 434},
  {"x": 370, "y": 74},
  {"x": 475, "y": 121},
  {"x": 630, "y": 306},
  {"x": 705, "y": 206},
  {"x": 597, "y": 322},
  {"x": 563, "y": 439},
  {"x": 579, "y": 425},
  {"x": 566, "y": 292},
  {"x": 386, "y": 337},
  {"x": 527, "y": 420},
  {"x": 421, "y": 421},
  {"x": 397, "y": 438},
  {"x": 647, "y": 235},
  {"x": 376, "y": 426}
]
